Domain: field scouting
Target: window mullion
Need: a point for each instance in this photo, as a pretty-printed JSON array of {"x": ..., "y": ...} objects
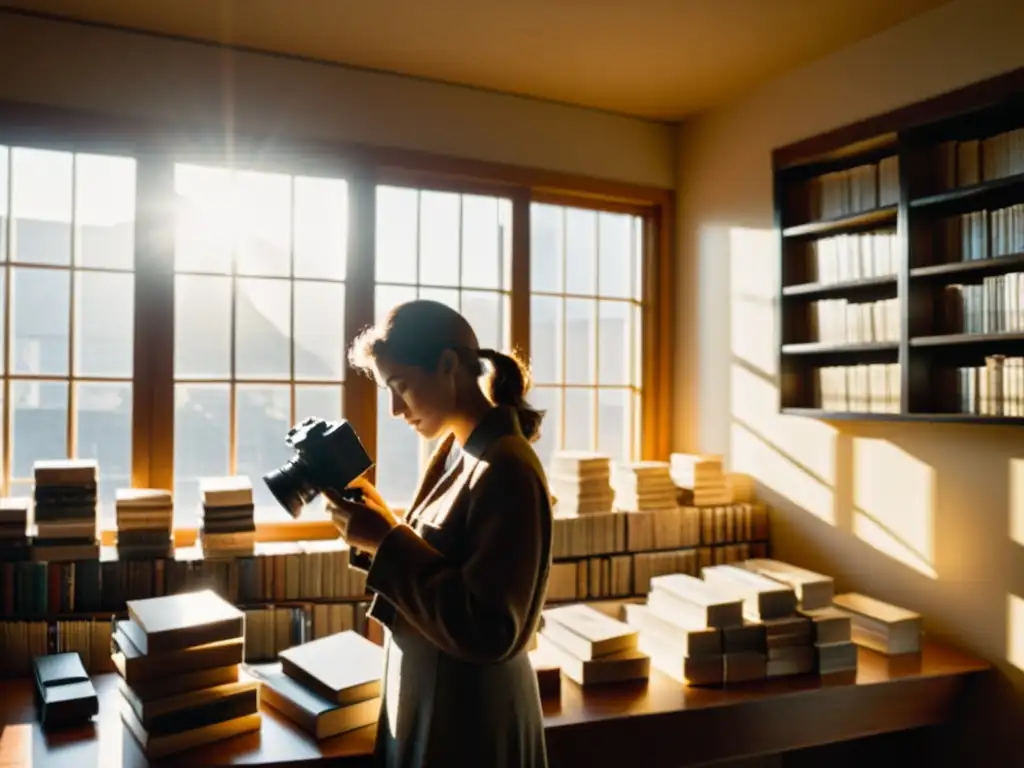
[
  {"x": 153, "y": 386},
  {"x": 360, "y": 394}
]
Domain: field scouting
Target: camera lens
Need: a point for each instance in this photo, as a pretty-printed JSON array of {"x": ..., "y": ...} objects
[{"x": 291, "y": 485}]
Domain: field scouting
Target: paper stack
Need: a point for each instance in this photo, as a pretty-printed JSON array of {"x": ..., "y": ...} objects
[
  {"x": 66, "y": 523},
  {"x": 228, "y": 528},
  {"x": 179, "y": 659},
  {"x": 579, "y": 481},
  {"x": 696, "y": 634},
  {"x": 591, "y": 647},
  {"x": 834, "y": 649},
  {"x": 14, "y": 541},
  {"x": 145, "y": 520},
  {"x": 880, "y": 626},
  {"x": 643, "y": 486},
  {"x": 788, "y": 635},
  {"x": 700, "y": 480},
  {"x": 326, "y": 686}
]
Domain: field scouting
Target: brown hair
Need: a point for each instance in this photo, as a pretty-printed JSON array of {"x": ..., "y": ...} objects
[{"x": 418, "y": 332}]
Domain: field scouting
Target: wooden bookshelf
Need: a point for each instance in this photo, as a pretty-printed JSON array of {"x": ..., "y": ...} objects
[{"x": 901, "y": 271}]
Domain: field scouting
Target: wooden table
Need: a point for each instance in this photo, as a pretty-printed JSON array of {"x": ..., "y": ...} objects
[{"x": 670, "y": 724}]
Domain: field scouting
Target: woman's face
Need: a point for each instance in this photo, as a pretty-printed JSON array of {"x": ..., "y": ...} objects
[{"x": 424, "y": 399}]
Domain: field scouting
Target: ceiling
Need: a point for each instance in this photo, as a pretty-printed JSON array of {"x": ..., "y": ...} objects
[{"x": 661, "y": 59}]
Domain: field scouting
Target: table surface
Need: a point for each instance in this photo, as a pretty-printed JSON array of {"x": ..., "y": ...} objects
[{"x": 905, "y": 691}]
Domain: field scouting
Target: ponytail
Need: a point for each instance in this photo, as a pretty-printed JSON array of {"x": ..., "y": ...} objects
[{"x": 508, "y": 383}]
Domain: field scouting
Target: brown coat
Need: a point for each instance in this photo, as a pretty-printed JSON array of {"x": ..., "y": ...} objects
[{"x": 460, "y": 588}]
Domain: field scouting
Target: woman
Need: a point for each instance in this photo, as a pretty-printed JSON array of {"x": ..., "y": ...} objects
[{"x": 459, "y": 583}]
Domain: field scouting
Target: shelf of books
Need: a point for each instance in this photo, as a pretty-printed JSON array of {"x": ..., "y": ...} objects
[
  {"x": 900, "y": 264},
  {"x": 613, "y": 532}
]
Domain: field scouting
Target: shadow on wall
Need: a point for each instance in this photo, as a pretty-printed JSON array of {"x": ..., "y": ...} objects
[{"x": 930, "y": 517}]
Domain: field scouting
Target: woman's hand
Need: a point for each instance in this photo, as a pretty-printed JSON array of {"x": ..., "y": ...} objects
[{"x": 363, "y": 524}]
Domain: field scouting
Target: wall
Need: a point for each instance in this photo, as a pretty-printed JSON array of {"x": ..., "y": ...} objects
[
  {"x": 930, "y": 517},
  {"x": 98, "y": 69}
]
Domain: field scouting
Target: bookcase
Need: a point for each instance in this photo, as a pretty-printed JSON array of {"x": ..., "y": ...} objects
[
  {"x": 296, "y": 591},
  {"x": 901, "y": 270}
]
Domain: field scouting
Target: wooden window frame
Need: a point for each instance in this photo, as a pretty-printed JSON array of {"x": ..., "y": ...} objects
[{"x": 158, "y": 146}]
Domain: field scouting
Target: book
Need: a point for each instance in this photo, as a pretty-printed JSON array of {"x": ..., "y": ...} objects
[
  {"x": 176, "y": 622},
  {"x": 344, "y": 668},
  {"x": 813, "y": 590},
  {"x": 587, "y": 633},
  {"x": 694, "y": 600},
  {"x": 763, "y": 598},
  {"x": 64, "y": 694},
  {"x": 880, "y": 626},
  {"x": 318, "y": 716}
]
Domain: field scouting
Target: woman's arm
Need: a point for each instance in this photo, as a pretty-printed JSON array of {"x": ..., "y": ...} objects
[{"x": 476, "y": 611}]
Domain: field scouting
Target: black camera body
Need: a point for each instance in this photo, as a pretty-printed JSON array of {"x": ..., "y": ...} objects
[{"x": 328, "y": 456}]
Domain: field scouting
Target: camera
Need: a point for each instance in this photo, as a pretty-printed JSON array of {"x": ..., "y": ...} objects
[{"x": 328, "y": 456}]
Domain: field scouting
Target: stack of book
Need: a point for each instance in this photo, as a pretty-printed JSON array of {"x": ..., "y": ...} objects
[
  {"x": 829, "y": 630},
  {"x": 66, "y": 523},
  {"x": 834, "y": 649},
  {"x": 579, "y": 481},
  {"x": 228, "y": 528},
  {"x": 813, "y": 590},
  {"x": 700, "y": 480},
  {"x": 788, "y": 639},
  {"x": 179, "y": 659},
  {"x": 880, "y": 626},
  {"x": 14, "y": 541},
  {"x": 590, "y": 647},
  {"x": 145, "y": 521},
  {"x": 696, "y": 634},
  {"x": 644, "y": 486},
  {"x": 327, "y": 686}
]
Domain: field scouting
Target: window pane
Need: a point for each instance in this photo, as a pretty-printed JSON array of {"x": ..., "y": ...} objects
[
  {"x": 41, "y": 206},
  {"x": 319, "y": 330},
  {"x": 483, "y": 240},
  {"x": 263, "y": 328},
  {"x": 637, "y": 348},
  {"x": 104, "y": 323},
  {"x": 314, "y": 400},
  {"x": 397, "y": 234},
  {"x": 263, "y": 416},
  {"x": 206, "y": 219},
  {"x": 580, "y": 251},
  {"x": 104, "y": 427},
  {"x": 615, "y": 249},
  {"x": 3, "y": 316},
  {"x": 548, "y": 399},
  {"x": 580, "y": 341},
  {"x": 5, "y": 156},
  {"x": 614, "y": 423},
  {"x": 638, "y": 259},
  {"x": 105, "y": 211},
  {"x": 483, "y": 311},
  {"x": 264, "y": 223},
  {"x": 39, "y": 424},
  {"x": 40, "y": 321},
  {"x": 439, "y": 238},
  {"x": 448, "y": 296},
  {"x": 614, "y": 337},
  {"x": 202, "y": 326},
  {"x": 546, "y": 339},
  {"x": 388, "y": 297},
  {"x": 398, "y": 455},
  {"x": 202, "y": 442},
  {"x": 546, "y": 241},
  {"x": 579, "y": 419},
  {"x": 321, "y": 228}
]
